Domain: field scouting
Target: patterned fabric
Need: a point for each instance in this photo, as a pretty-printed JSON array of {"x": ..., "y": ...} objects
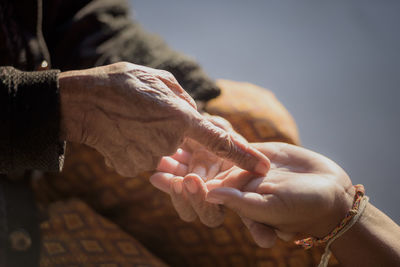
[
  {"x": 74, "y": 235},
  {"x": 147, "y": 214}
]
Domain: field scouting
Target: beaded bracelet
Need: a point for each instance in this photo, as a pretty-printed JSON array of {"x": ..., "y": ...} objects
[{"x": 359, "y": 205}]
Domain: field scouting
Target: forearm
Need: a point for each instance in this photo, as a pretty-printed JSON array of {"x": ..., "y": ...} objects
[{"x": 372, "y": 241}]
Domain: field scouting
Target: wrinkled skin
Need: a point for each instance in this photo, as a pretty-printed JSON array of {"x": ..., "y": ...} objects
[
  {"x": 303, "y": 194},
  {"x": 134, "y": 115}
]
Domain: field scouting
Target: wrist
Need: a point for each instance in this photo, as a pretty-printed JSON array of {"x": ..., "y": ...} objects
[
  {"x": 71, "y": 99},
  {"x": 372, "y": 241},
  {"x": 342, "y": 204},
  {"x": 362, "y": 223},
  {"x": 357, "y": 208}
]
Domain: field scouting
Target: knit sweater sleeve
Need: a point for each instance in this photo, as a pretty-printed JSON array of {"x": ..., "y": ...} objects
[{"x": 29, "y": 121}]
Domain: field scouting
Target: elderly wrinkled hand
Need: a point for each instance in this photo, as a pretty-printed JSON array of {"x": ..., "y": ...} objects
[
  {"x": 134, "y": 115},
  {"x": 304, "y": 193}
]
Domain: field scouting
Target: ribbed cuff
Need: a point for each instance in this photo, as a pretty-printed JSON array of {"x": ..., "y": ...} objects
[{"x": 32, "y": 120}]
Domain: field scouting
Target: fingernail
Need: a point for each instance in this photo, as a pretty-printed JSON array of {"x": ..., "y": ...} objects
[
  {"x": 261, "y": 168},
  {"x": 177, "y": 187},
  {"x": 191, "y": 186},
  {"x": 214, "y": 200}
]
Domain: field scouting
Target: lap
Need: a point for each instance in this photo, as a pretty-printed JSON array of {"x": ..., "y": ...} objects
[{"x": 75, "y": 235}]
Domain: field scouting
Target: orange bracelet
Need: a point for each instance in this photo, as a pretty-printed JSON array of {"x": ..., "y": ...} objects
[{"x": 309, "y": 242}]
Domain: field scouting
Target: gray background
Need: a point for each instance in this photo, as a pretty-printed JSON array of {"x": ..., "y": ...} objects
[{"x": 334, "y": 64}]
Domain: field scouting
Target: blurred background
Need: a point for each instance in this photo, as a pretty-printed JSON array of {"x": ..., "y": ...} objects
[{"x": 335, "y": 65}]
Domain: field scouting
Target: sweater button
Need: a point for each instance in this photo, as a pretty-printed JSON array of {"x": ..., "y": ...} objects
[
  {"x": 20, "y": 240},
  {"x": 43, "y": 66}
]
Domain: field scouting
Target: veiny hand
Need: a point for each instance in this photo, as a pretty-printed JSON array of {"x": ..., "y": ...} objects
[
  {"x": 184, "y": 177},
  {"x": 303, "y": 193},
  {"x": 134, "y": 115}
]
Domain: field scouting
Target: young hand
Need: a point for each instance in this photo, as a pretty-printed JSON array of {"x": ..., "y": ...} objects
[
  {"x": 185, "y": 175},
  {"x": 303, "y": 193}
]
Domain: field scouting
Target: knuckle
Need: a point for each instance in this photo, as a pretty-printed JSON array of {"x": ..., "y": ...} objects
[
  {"x": 167, "y": 75},
  {"x": 221, "y": 122},
  {"x": 223, "y": 144},
  {"x": 123, "y": 65},
  {"x": 234, "y": 152}
]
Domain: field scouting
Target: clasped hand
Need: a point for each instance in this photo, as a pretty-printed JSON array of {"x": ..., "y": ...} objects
[{"x": 303, "y": 194}]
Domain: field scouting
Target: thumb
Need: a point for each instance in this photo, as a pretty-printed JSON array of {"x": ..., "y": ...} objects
[
  {"x": 246, "y": 204},
  {"x": 227, "y": 146}
]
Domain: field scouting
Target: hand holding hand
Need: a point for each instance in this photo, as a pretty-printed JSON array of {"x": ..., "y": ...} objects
[
  {"x": 184, "y": 176},
  {"x": 134, "y": 115},
  {"x": 303, "y": 193}
]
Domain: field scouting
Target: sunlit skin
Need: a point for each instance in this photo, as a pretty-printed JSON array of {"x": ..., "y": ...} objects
[
  {"x": 298, "y": 195},
  {"x": 303, "y": 194},
  {"x": 184, "y": 176},
  {"x": 134, "y": 115}
]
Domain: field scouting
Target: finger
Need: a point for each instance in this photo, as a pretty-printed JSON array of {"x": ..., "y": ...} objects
[
  {"x": 235, "y": 178},
  {"x": 211, "y": 215},
  {"x": 180, "y": 201},
  {"x": 213, "y": 170},
  {"x": 170, "y": 165},
  {"x": 262, "y": 234},
  {"x": 185, "y": 96},
  {"x": 247, "y": 204},
  {"x": 182, "y": 156},
  {"x": 170, "y": 81},
  {"x": 295, "y": 156},
  {"x": 201, "y": 171},
  {"x": 162, "y": 181},
  {"x": 226, "y": 164},
  {"x": 220, "y": 122},
  {"x": 225, "y": 125},
  {"x": 204, "y": 163},
  {"x": 227, "y": 146}
]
